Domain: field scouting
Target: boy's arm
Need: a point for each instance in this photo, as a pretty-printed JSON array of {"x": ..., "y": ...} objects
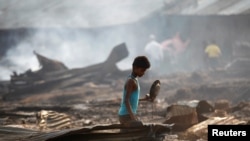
[
  {"x": 146, "y": 98},
  {"x": 130, "y": 87}
]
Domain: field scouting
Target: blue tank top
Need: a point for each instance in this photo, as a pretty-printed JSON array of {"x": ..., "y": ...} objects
[{"x": 134, "y": 99}]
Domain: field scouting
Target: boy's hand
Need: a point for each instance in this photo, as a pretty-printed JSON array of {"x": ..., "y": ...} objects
[
  {"x": 148, "y": 98},
  {"x": 135, "y": 123},
  {"x": 134, "y": 118}
]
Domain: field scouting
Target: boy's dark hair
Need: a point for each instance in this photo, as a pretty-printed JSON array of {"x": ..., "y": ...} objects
[{"x": 142, "y": 62}]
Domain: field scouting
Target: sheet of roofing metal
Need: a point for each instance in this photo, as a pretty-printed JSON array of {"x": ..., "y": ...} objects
[
  {"x": 217, "y": 7},
  {"x": 95, "y": 133},
  {"x": 239, "y": 7}
]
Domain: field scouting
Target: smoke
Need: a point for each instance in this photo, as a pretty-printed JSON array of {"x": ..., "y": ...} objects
[
  {"x": 82, "y": 33},
  {"x": 83, "y": 50},
  {"x": 75, "y": 48},
  {"x": 74, "y": 13}
]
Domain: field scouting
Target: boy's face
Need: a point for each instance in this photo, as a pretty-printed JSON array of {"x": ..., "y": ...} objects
[{"x": 139, "y": 71}]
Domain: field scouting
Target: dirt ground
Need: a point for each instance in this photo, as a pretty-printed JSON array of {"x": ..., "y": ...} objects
[{"x": 93, "y": 104}]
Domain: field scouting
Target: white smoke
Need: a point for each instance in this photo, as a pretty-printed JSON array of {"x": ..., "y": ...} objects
[
  {"x": 83, "y": 50},
  {"x": 75, "y": 48}
]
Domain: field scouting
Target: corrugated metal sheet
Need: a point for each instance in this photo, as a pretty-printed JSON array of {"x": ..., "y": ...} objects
[
  {"x": 209, "y": 7},
  {"x": 93, "y": 133}
]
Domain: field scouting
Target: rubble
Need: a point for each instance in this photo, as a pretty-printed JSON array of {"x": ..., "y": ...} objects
[
  {"x": 98, "y": 118},
  {"x": 84, "y": 102},
  {"x": 146, "y": 132},
  {"x": 240, "y": 64},
  {"x": 51, "y": 120},
  {"x": 55, "y": 74},
  {"x": 49, "y": 65},
  {"x": 199, "y": 131},
  {"x": 187, "y": 113},
  {"x": 241, "y": 50}
]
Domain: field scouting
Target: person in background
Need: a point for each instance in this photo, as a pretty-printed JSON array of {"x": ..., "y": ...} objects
[
  {"x": 154, "y": 51},
  {"x": 175, "y": 48},
  {"x": 213, "y": 53},
  {"x": 131, "y": 92}
]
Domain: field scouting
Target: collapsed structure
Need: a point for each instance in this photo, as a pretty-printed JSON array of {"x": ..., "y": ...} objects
[{"x": 54, "y": 73}]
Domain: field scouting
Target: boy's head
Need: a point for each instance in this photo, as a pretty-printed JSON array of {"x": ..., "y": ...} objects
[{"x": 140, "y": 65}]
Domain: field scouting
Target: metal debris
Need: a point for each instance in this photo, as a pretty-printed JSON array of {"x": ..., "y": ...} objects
[
  {"x": 146, "y": 132},
  {"x": 51, "y": 120}
]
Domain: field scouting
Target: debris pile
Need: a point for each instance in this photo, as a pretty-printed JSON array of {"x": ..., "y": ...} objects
[
  {"x": 54, "y": 74},
  {"x": 51, "y": 120},
  {"x": 56, "y": 103}
]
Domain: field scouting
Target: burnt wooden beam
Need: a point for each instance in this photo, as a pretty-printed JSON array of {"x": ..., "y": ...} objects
[{"x": 98, "y": 73}]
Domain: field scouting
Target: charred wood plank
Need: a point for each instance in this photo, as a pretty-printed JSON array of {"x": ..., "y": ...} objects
[{"x": 66, "y": 78}]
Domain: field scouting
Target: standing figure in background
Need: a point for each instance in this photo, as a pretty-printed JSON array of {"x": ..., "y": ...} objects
[
  {"x": 213, "y": 53},
  {"x": 154, "y": 51},
  {"x": 176, "y": 48}
]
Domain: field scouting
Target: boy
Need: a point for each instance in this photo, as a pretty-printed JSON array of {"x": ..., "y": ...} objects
[{"x": 131, "y": 92}]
